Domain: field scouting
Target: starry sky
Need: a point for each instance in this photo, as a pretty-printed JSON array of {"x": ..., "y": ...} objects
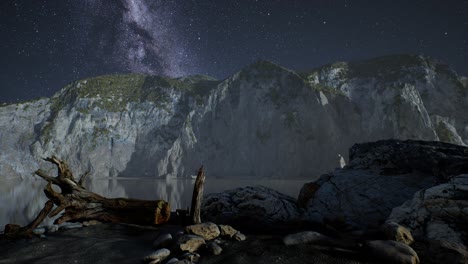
[{"x": 46, "y": 44}]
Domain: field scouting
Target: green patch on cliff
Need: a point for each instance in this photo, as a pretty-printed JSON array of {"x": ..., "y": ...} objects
[
  {"x": 115, "y": 91},
  {"x": 263, "y": 136},
  {"x": 444, "y": 133},
  {"x": 291, "y": 119}
]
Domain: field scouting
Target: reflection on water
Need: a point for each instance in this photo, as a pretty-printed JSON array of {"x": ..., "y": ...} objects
[{"x": 21, "y": 200}]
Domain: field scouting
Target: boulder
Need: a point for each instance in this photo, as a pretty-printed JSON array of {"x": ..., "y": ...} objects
[
  {"x": 389, "y": 251},
  {"x": 381, "y": 175},
  {"x": 360, "y": 199},
  {"x": 437, "y": 213},
  {"x": 257, "y": 206},
  {"x": 206, "y": 230},
  {"x": 190, "y": 243}
]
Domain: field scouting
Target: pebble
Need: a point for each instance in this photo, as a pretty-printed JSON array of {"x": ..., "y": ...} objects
[
  {"x": 227, "y": 231},
  {"x": 190, "y": 243},
  {"x": 172, "y": 261},
  {"x": 163, "y": 240},
  {"x": 66, "y": 226},
  {"x": 91, "y": 223},
  {"x": 52, "y": 228},
  {"x": 39, "y": 231},
  {"x": 157, "y": 256},
  {"x": 213, "y": 248},
  {"x": 239, "y": 236},
  {"x": 192, "y": 257},
  {"x": 207, "y": 230}
]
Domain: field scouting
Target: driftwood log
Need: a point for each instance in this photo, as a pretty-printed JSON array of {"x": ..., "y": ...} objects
[{"x": 79, "y": 205}]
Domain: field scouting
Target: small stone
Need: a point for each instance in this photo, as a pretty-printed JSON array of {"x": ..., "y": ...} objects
[
  {"x": 172, "y": 261},
  {"x": 303, "y": 238},
  {"x": 190, "y": 243},
  {"x": 157, "y": 256},
  {"x": 163, "y": 240},
  {"x": 214, "y": 248},
  {"x": 52, "y": 228},
  {"x": 392, "y": 251},
  {"x": 67, "y": 226},
  {"x": 227, "y": 231},
  {"x": 91, "y": 223},
  {"x": 394, "y": 231},
  {"x": 206, "y": 230},
  {"x": 39, "y": 231},
  {"x": 239, "y": 236},
  {"x": 192, "y": 257}
]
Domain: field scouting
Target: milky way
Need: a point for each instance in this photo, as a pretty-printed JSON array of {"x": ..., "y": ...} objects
[
  {"x": 48, "y": 44},
  {"x": 141, "y": 35}
]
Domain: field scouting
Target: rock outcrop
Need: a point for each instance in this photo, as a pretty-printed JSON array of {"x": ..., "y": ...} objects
[{"x": 380, "y": 176}]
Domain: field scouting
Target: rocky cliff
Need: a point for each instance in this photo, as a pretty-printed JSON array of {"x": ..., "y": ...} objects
[{"x": 263, "y": 121}]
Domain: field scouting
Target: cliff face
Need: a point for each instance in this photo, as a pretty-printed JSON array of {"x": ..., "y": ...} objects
[{"x": 264, "y": 121}]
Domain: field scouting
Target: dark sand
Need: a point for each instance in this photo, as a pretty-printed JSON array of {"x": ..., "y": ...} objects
[{"x": 112, "y": 243}]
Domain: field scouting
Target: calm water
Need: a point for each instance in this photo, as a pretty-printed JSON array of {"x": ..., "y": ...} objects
[{"x": 21, "y": 200}]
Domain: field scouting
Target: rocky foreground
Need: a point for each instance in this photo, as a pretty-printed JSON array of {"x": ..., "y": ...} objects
[{"x": 397, "y": 201}]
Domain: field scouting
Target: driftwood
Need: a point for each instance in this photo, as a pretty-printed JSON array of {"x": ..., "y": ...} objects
[
  {"x": 197, "y": 197},
  {"x": 79, "y": 205},
  {"x": 16, "y": 231}
]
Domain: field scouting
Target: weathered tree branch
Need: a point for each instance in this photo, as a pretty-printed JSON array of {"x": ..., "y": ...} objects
[
  {"x": 78, "y": 204},
  {"x": 197, "y": 197},
  {"x": 15, "y": 231}
]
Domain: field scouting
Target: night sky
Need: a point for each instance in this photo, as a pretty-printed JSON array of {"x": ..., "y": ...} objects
[{"x": 46, "y": 44}]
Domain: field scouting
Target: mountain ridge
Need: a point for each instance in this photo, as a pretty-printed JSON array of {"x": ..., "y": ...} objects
[{"x": 262, "y": 112}]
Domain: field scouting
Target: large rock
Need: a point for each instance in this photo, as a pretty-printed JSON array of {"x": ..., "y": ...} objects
[
  {"x": 437, "y": 213},
  {"x": 361, "y": 198},
  {"x": 380, "y": 176},
  {"x": 257, "y": 206}
]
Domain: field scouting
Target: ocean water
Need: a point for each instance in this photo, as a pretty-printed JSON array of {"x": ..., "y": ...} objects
[{"x": 21, "y": 200}]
